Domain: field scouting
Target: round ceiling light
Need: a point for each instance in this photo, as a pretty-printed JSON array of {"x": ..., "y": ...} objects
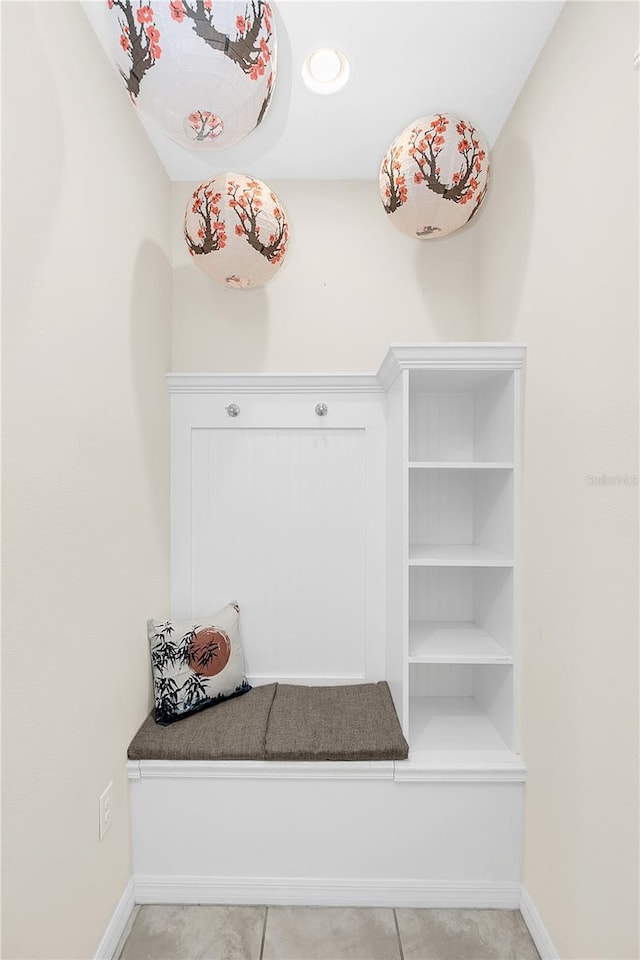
[{"x": 325, "y": 70}]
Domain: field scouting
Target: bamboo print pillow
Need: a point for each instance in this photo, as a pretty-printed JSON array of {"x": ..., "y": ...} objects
[{"x": 196, "y": 663}]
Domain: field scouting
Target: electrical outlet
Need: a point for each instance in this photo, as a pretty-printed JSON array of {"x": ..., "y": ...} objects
[{"x": 106, "y": 809}]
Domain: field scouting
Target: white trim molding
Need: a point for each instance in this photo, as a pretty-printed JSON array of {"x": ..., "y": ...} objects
[
  {"x": 536, "y": 927},
  {"x": 325, "y": 892},
  {"x": 495, "y": 771},
  {"x": 449, "y": 356},
  {"x": 117, "y": 924},
  {"x": 399, "y": 770},
  {"x": 282, "y": 383},
  {"x": 260, "y": 770}
]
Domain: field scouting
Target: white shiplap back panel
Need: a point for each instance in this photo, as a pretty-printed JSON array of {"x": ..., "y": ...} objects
[
  {"x": 440, "y": 426},
  {"x": 440, "y": 593},
  {"x": 279, "y": 526},
  {"x": 441, "y": 506},
  {"x": 441, "y": 680}
]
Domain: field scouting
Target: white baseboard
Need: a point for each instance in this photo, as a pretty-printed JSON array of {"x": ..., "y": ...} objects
[
  {"x": 117, "y": 924},
  {"x": 537, "y": 929},
  {"x": 324, "y": 892}
]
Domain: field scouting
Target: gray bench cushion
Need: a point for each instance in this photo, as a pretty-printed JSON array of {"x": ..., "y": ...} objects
[
  {"x": 355, "y": 722},
  {"x": 232, "y": 730},
  {"x": 282, "y": 722}
]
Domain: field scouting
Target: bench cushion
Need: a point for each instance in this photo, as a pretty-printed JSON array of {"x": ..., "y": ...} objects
[
  {"x": 283, "y": 722},
  {"x": 354, "y": 722},
  {"x": 232, "y": 730}
]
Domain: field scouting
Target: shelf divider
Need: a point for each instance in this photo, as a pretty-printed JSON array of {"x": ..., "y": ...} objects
[
  {"x": 455, "y": 555},
  {"x": 459, "y": 465},
  {"x": 453, "y": 641}
]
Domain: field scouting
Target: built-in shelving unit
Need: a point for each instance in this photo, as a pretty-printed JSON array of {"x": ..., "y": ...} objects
[{"x": 456, "y": 472}]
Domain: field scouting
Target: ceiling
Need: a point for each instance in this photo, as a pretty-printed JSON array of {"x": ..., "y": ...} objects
[{"x": 408, "y": 58}]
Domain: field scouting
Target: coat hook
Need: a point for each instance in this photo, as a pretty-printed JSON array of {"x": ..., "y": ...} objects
[
  {"x": 232, "y": 409},
  {"x": 322, "y": 409}
]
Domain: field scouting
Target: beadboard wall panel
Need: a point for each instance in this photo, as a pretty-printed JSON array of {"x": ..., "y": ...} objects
[{"x": 282, "y": 510}]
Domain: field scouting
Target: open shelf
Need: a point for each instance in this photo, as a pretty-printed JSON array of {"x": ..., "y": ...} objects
[
  {"x": 460, "y": 706},
  {"x": 455, "y": 555},
  {"x": 461, "y": 516},
  {"x": 451, "y": 723},
  {"x": 459, "y": 415},
  {"x": 453, "y": 641},
  {"x": 455, "y": 611}
]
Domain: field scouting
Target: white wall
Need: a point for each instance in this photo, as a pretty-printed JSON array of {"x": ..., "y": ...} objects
[
  {"x": 351, "y": 285},
  {"x": 559, "y": 271},
  {"x": 86, "y": 291}
]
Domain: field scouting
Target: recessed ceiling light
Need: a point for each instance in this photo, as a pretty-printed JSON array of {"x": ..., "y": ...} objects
[{"x": 325, "y": 70}]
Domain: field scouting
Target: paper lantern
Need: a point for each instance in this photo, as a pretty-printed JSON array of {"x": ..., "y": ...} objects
[
  {"x": 434, "y": 176},
  {"x": 236, "y": 230},
  {"x": 200, "y": 71}
]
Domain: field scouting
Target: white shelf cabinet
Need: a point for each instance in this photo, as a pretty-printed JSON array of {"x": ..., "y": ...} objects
[{"x": 452, "y": 480}]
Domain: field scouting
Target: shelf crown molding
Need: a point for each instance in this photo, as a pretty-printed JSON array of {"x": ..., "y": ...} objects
[{"x": 474, "y": 355}]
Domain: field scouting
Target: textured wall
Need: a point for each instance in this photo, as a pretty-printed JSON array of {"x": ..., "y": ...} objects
[
  {"x": 86, "y": 301},
  {"x": 559, "y": 271},
  {"x": 351, "y": 285}
]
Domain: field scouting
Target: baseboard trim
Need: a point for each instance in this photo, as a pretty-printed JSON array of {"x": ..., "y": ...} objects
[
  {"x": 117, "y": 924},
  {"x": 326, "y": 892},
  {"x": 537, "y": 929}
]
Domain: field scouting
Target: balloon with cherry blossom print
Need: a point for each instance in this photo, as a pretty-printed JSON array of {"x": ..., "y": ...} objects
[
  {"x": 200, "y": 71},
  {"x": 434, "y": 176},
  {"x": 236, "y": 230}
]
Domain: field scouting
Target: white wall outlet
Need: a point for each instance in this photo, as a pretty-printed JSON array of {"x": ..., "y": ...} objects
[{"x": 106, "y": 809}]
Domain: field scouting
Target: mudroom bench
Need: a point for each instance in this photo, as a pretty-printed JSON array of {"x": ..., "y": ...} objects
[{"x": 366, "y": 524}]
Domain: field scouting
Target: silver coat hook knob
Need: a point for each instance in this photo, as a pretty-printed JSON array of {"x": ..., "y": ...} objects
[
  {"x": 322, "y": 409},
  {"x": 232, "y": 409}
]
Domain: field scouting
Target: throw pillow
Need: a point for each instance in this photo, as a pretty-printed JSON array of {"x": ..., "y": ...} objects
[{"x": 196, "y": 663}]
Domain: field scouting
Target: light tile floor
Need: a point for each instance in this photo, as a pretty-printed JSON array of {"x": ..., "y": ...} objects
[{"x": 325, "y": 933}]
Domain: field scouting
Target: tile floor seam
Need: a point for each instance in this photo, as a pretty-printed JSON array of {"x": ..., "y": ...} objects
[
  {"x": 264, "y": 932},
  {"x": 395, "y": 920}
]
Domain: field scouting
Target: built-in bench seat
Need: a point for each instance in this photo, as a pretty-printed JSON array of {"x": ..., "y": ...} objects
[{"x": 283, "y": 722}]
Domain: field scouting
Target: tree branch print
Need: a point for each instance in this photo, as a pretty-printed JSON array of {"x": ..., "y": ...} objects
[
  {"x": 139, "y": 38},
  {"x": 395, "y": 191},
  {"x": 247, "y": 202},
  {"x": 480, "y": 196},
  {"x": 211, "y": 232},
  {"x": 426, "y": 145},
  {"x": 166, "y": 698},
  {"x": 205, "y": 655},
  {"x": 185, "y": 646},
  {"x": 194, "y": 690},
  {"x": 249, "y": 49},
  {"x": 266, "y": 101},
  {"x": 163, "y": 649},
  {"x": 205, "y": 125}
]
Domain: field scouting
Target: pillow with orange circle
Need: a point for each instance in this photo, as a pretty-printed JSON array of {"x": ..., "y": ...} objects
[{"x": 196, "y": 663}]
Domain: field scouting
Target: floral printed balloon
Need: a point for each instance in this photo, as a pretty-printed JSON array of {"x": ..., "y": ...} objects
[
  {"x": 236, "y": 230},
  {"x": 200, "y": 71},
  {"x": 434, "y": 176}
]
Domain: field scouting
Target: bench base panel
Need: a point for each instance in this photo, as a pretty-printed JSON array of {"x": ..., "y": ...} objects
[{"x": 326, "y": 841}]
